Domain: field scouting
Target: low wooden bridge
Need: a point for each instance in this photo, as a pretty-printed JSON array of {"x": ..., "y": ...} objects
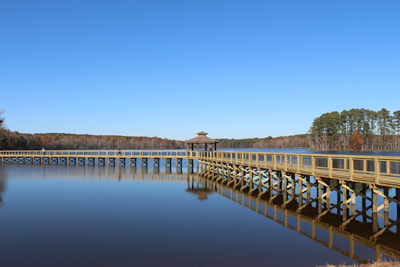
[{"x": 98, "y": 157}]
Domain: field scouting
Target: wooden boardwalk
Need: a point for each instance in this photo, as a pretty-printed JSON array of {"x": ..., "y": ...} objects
[
  {"x": 341, "y": 167},
  {"x": 97, "y": 157}
]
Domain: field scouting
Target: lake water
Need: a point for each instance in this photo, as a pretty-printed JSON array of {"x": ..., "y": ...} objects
[{"x": 131, "y": 216}]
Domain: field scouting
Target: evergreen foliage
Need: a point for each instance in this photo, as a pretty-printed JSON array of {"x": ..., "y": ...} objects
[{"x": 334, "y": 130}]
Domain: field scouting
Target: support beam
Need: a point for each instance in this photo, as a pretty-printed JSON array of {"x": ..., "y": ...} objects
[
  {"x": 251, "y": 177},
  {"x": 375, "y": 226},
  {"x": 386, "y": 206},
  {"x": 344, "y": 203},
  {"x": 397, "y": 197},
  {"x": 300, "y": 191}
]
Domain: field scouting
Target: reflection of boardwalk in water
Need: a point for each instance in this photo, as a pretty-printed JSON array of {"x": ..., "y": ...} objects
[
  {"x": 349, "y": 194},
  {"x": 322, "y": 221},
  {"x": 100, "y": 173}
]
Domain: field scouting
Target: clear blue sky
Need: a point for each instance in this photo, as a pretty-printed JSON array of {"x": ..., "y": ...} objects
[{"x": 163, "y": 68}]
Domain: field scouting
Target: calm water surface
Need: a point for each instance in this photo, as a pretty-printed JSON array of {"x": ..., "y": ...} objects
[{"x": 128, "y": 216}]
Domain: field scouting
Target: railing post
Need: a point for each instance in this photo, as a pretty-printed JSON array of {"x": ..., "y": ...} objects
[
  {"x": 330, "y": 167},
  {"x": 298, "y": 164},
  {"x": 285, "y": 163},
  {"x": 274, "y": 161},
  {"x": 265, "y": 160},
  {"x": 377, "y": 170},
  {"x": 365, "y": 166},
  {"x": 313, "y": 165},
  {"x": 351, "y": 168}
]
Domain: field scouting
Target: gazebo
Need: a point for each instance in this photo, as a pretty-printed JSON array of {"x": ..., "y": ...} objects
[{"x": 201, "y": 139}]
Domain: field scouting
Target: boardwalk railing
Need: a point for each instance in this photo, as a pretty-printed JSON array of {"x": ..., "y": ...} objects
[
  {"x": 101, "y": 153},
  {"x": 366, "y": 169},
  {"x": 102, "y": 157}
]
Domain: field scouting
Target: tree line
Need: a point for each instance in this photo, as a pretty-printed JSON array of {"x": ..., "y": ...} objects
[
  {"x": 17, "y": 141},
  {"x": 239, "y": 143},
  {"x": 356, "y": 129},
  {"x": 293, "y": 141},
  {"x": 50, "y": 141}
]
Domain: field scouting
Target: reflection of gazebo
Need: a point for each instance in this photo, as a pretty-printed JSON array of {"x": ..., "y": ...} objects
[
  {"x": 201, "y": 139},
  {"x": 200, "y": 192}
]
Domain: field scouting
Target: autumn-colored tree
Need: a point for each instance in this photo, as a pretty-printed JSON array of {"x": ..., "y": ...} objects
[
  {"x": 356, "y": 141},
  {"x": 46, "y": 139}
]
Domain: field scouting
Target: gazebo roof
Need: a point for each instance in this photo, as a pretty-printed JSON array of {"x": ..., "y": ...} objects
[{"x": 202, "y": 139}]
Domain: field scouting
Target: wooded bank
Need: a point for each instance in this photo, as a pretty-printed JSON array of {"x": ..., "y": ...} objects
[
  {"x": 18, "y": 141},
  {"x": 356, "y": 129},
  {"x": 296, "y": 141},
  {"x": 15, "y": 140}
]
